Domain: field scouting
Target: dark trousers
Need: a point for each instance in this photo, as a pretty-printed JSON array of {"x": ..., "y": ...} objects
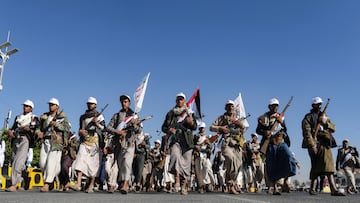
[
  {"x": 138, "y": 167},
  {"x": 66, "y": 162},
  {"x": 102, "y": 172}
]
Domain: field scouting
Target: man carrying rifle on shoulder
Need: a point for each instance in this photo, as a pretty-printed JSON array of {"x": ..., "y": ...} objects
[
  {"x": 87, "y": 162},
  {"x": 55, "y": 131},
  {"x": 317, "y": 129},
  {"x": 279, "y": 161}
]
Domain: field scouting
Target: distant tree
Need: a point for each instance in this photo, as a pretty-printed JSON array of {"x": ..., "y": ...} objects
[
  {"x": 4, "y": 136},
  {"x": 296, "y": 183},
  {"x": 36, "y": 150}
]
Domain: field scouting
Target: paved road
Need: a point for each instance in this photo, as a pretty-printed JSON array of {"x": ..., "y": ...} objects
[{"x": 103, "y": 197}]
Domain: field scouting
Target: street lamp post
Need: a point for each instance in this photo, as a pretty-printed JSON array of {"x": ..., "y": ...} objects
[{"x": 4, "y": 56}]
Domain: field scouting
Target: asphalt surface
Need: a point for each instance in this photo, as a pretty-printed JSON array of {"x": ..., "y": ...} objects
[{"x": 36, "y": 196}]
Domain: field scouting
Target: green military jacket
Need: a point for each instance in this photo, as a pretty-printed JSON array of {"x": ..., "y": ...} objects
[{"x": 59, "y": 133}]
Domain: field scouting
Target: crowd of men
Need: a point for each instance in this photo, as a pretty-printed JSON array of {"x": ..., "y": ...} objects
[{"x": 119, "y": 157}]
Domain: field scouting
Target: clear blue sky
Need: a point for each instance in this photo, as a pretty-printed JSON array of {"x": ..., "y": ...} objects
[{"x": 262, "y": 49}]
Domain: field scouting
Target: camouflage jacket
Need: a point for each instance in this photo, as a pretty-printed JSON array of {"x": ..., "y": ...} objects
[{"x": 59, "y": 133}]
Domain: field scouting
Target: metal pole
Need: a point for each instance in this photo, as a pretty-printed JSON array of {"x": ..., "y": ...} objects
[
  {"x": 2, "y": 70},
  {"x": 4, "y": 57}
]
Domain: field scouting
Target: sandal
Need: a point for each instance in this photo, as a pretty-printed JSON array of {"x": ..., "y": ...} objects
[
  {"x": 76, "y": 188},
  {"x": 285, "y": 188},
  {"x": 177, "y": 187},
  {"x": 312, "y": 192},
  {"x": 232, "y": 190},
  {"x": 184, "y": 192},
  {"x": 337, "y": 193},
  {"x": 123, "y": 191},
  {"x": 171, "y": 190},
  {"x": 137, "y": 189}
]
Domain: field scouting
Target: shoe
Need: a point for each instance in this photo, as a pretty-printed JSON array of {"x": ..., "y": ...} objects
[
  {"x": 11, "y": 189},
  {"x": 337, "y": 193},
  {"x": 45, "y": 188},
  {"x": 312, "y": 192},
  {"x": 201, "y": 190}
]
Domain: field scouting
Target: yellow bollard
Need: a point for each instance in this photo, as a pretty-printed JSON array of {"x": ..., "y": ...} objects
[{"x": 36, "y": 178}]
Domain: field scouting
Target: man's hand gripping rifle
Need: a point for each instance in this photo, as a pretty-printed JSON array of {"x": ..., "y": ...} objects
[
  {"x": 275, "y": 128},
  {"x": 178, "y": 127},
  {"x": 96, "y": 118}
]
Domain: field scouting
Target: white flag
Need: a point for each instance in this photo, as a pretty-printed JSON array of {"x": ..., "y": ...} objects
[
  {"x": 140, "y": 93},
  {"x": 240, "y": 110}
]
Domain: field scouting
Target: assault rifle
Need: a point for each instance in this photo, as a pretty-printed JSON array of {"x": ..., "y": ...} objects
[
  {"x": 317, "y": 127},
  {"x": 323, "y": 113},
  {"x": 179, "y": 127},
  {"x": 97, "y": 115},
  {"x": 124, "y": 124},
  {"x": 274, "y": 130},
  {"x": 231, "y": 127}
]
